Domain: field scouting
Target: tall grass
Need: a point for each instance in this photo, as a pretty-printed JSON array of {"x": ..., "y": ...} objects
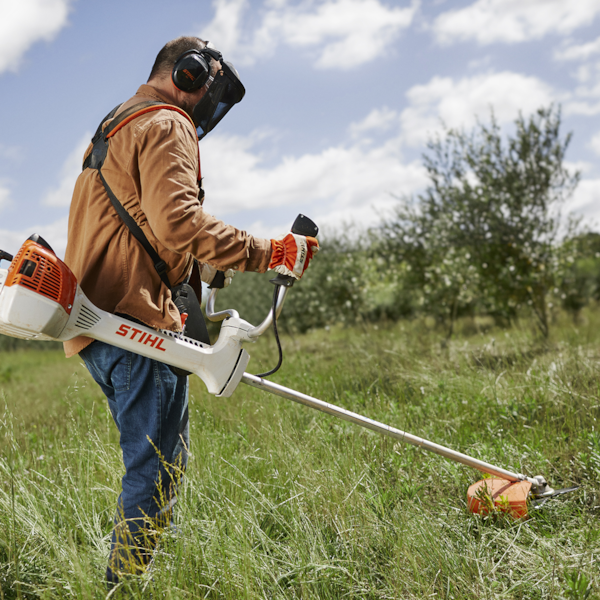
[{"x": 283, "y": 502}]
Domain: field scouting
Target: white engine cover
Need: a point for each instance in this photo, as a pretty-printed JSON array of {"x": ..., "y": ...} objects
[{"x": 28, "y": 315}]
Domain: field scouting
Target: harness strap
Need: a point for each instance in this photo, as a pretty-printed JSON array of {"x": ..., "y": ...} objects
[
  {"x": 141, "y": 109},
  {"x": 159, "y": 264},
  {"x": 97, "y": 156}
]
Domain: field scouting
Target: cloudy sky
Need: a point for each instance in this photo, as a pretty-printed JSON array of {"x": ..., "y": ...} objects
[{"x": 341, "y": 98}]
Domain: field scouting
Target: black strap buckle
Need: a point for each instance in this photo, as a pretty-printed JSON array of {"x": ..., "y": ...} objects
[{"x": 161, "y": 267}]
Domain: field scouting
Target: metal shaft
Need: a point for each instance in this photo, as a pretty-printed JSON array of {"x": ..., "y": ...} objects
[{"x": 336, "y": 411}]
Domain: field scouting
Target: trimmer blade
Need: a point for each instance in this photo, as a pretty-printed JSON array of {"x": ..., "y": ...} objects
[{"x": 539, "y": 502}]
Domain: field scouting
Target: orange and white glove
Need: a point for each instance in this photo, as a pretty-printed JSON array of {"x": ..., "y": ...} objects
[{"x": 292, "y": 253}]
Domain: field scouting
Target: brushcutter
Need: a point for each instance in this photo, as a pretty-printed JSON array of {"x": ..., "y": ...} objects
[{"x": 40, "y": 299}]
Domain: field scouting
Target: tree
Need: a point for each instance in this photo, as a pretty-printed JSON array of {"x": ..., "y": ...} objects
[
  {"x": 486, "y": 230},
  {"x": 581, "y": 280}
]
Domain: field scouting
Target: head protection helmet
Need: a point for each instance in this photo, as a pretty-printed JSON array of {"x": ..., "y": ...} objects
[{"x": 192, "y": 70}]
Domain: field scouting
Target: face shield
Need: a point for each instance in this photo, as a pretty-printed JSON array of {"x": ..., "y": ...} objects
[{"x": 223, "y": 92}]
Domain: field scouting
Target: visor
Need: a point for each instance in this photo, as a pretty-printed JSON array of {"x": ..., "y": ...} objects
[{"x": 225, "y": 91}]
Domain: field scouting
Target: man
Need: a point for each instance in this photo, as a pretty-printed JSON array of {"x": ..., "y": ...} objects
[{"x": 151, "y": 169}]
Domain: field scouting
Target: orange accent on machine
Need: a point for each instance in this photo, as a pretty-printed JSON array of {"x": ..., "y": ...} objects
[
  {"x": 40, "y": 270},
  {"x": 492, "y": 494}
]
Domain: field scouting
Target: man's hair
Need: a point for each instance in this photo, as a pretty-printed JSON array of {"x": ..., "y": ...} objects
[{"x": 163, "y": 65}]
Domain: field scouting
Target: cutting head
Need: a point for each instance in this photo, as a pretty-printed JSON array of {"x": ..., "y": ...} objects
[
  {"x": 515, "y": 498},
  {"x": 491, "y": 495}
]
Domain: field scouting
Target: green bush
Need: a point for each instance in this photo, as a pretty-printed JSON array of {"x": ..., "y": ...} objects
[
  {"x": 487, "y": 232},
  {"x": 581, "y": 280},
  {"x": 346, "y": 283}
]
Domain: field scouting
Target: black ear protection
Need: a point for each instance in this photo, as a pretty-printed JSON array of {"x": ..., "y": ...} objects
[{"x": 192, "y": 69}]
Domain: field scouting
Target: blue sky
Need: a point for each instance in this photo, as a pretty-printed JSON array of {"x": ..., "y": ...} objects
[{"x": 341, "y": 98}]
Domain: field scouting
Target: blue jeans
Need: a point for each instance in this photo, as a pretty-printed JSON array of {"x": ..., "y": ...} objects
[{"x": 149, "y": 405}]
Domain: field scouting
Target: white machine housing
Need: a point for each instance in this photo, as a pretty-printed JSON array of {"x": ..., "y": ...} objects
[{"x": 41, "y": 300}]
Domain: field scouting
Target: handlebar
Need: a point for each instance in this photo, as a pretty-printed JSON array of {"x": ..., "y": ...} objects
[
  {"x": 254, "y": 332},
  {"x": 211, "y": 315},
  {"x": 302, "y": 226}
]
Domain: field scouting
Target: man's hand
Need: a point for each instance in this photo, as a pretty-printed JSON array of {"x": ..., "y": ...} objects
[
  {"x": 208, "y": 275},
  {"x": 292, "y": 253}
]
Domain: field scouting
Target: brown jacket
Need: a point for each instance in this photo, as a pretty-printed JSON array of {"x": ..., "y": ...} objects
[{"x": 152, "y": 168}]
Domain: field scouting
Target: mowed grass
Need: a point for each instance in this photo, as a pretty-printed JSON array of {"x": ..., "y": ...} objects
[{"x": 280, "y": 501}]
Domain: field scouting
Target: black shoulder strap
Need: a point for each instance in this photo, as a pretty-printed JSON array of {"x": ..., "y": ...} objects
[
  {"x": 96, "y": 157},
  {"x": 95, "y": 160},
  {"x": 159, "y": 264}
]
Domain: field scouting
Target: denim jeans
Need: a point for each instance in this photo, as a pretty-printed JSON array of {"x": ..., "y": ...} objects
[{"x": 149, "y": 405}]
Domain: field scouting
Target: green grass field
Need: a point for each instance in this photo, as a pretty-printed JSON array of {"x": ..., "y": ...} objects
[{"x": 284, "y": 502}]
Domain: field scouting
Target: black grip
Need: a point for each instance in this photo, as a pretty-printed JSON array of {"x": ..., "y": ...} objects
[
  {"x": 218, "y": 281},
  {"x": 304, "y": 226},
  {"x": 5, "y": 256}
]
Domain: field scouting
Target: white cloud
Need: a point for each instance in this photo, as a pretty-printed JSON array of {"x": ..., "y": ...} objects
[
  {"x": 25, "y": 22},
  {"x": 583, "y": 166},
  {"x": 459, "y": 103},
  {"x": 586, "y": 202},
  {"x": 54, "y": 233},
  {"x": 353, "y": 181},
  {"x": 585, "y": 73},
  {"x": 594, "y": 143},
  {"x": 585, "y": 100},
  {"x": 578, "y": 51},
  {"x": 379, "y": 119},
  {"x": 4, "y": 197},
  {"x": 61, "y": 195},
  {"x": 581, "y": 107},
  {"x": 225, "y": 30},
  {"x": 341, "y": 34},
  {"x": 511, "y": 21}
]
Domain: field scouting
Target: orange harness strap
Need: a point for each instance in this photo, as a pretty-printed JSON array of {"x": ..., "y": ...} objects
[{"x": 147, "y": 109}]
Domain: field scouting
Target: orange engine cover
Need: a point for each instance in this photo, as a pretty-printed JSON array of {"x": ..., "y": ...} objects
[
  {"x": 499, "y": 494},
  {"x": 40, "y": 270}
]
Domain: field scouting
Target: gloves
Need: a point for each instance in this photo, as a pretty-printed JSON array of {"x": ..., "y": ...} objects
[
  {"x": 292, "y": 253},
  {"x": 208, "y": 274}
]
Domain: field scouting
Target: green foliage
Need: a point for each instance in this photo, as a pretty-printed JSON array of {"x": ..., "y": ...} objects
[
  {"x": 346, "y": 283},
  {"x": 579, "y": 586},
  {"x": 581, "y": 280},
  {"x": 486, "y": 233},
  {"x": 487, "y": 237}
]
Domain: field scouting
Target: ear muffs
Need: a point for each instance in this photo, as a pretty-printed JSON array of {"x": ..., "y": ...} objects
[{"x": 192, "y": 69}]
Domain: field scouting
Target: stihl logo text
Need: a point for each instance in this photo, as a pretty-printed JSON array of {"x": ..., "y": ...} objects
[
  {"x": 145, "y": 338},
  {"x": 302, "y": 254}
]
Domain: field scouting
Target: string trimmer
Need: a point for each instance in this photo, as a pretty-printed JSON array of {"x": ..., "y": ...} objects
[{"x": 41, "y": 300}]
